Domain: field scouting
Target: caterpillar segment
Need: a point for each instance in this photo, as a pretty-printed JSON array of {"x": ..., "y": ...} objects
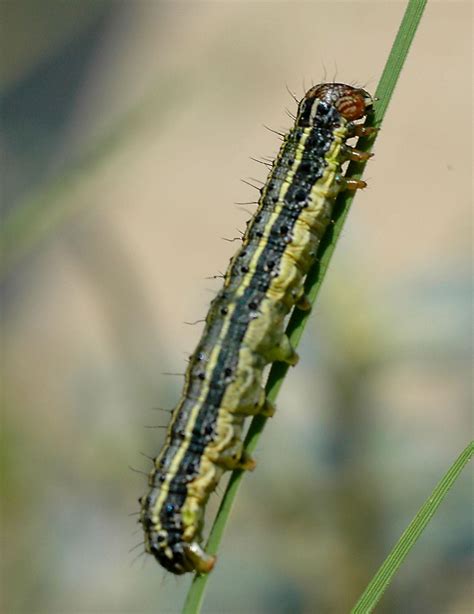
[{"x": 244, "y": 329}]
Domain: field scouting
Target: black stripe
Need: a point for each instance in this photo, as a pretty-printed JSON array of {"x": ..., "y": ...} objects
[{"x": 309, "y": 171}]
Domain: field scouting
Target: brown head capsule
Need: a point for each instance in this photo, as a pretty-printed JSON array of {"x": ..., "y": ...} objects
[{"x": 350, "y": 102}]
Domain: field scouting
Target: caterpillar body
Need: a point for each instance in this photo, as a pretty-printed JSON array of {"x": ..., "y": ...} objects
[{"x": 244, "y": 329}]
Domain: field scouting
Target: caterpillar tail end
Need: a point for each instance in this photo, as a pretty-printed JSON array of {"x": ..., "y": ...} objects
[{"x": 202, "y": 562}]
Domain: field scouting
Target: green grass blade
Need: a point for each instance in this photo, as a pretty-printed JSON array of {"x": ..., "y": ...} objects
[
  {"x": 383, "y": 577},
  {"x": 314, "y": 280}
]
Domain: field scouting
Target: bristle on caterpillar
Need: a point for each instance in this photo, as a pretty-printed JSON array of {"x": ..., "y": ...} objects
[{"x": 244, "y": 329}]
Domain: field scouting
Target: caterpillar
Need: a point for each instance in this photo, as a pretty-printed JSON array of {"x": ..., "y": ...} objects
[{"x": 244, "y": 329}]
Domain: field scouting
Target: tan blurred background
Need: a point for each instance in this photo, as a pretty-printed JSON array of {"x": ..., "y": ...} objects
[{"x": 126, "y": 127}]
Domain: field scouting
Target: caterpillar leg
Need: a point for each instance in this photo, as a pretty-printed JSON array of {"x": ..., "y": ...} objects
[
  {"x": 247, "y": 463},
  {"x": 284, "y": 352},
  {"x": 268, "y": 409},
  {"x": 201, "y": 561},
  {"x": 351, "y": 153},
  {"x": 303, "y": 303},
  {"x": 359, "y": 130},
  {"x": 235, "y": 458},
  {"x": 352, "y": 184}
]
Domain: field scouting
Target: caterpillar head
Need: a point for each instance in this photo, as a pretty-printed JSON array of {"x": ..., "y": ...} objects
[{"x": 350, "y": 102}]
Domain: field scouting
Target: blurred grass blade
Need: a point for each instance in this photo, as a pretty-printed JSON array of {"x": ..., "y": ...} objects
[
  {"x": 383, "y": 577},
  {"x": 314, "y": 280},
  {"x": 38, "y": 215}
]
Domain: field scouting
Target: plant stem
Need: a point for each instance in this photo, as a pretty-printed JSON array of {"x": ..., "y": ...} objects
[
  {"x": 298, "y": 319},
  {"x": 379, "y": 583}
]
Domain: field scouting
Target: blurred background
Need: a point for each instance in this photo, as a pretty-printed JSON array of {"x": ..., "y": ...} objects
[{"x": 125, "y": 129}]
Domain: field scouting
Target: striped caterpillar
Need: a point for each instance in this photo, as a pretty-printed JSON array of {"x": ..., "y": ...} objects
[{"x": 244, "y": 328}]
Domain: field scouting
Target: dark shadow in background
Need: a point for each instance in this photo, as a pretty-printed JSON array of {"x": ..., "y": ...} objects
[{"x": 34, "y": 112}]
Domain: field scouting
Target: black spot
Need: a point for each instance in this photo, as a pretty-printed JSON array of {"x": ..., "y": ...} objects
[
  {"x": 179, "y": 432},
  {"x": 253, "y": 305},
  {"x": 227, "y": 372},
  {"x": 305, "y": 167},
  {"x": 284, "y": 230},
  {"x": 224, "y": 311},
  {"x": 244, "y": 269},
  {"x": 192, "y": 463},
  {"x": 323, "y": 108},
  {"x": 201, "y": 376},
  {"x": 300, "y": 196}
]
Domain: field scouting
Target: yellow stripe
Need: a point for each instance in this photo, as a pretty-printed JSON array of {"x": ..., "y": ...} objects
[
  {"x": 319, "y": 195},
  {"x": 173, "y": 469},
  {"x": 286, "y": 182}
]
